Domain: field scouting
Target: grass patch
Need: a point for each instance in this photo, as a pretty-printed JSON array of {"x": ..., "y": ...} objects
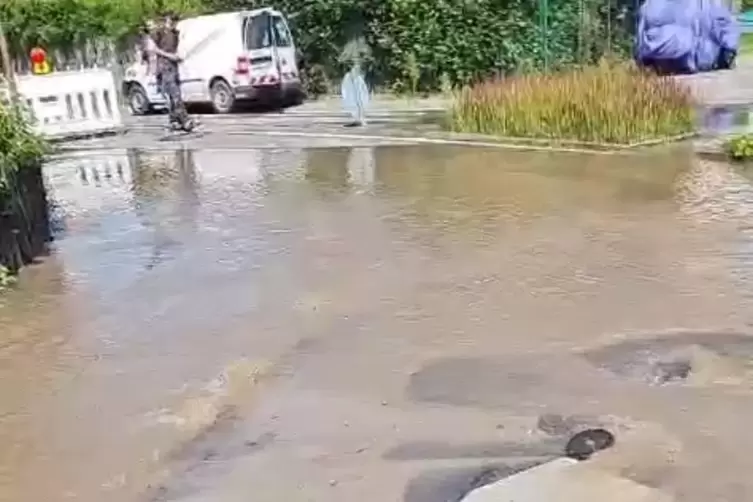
[
  {"x": 746, "y": 44},
  {"x": 610, "y": 103},
  {"x": 7, "y": 277},
  {"x": 739, "y": 148}
]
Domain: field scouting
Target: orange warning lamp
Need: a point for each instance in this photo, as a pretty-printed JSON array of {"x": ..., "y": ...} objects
[{"x": 39, "y": 63}]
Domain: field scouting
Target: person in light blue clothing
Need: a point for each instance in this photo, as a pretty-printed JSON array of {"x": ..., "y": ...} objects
[{"x": 355, "y": 95}]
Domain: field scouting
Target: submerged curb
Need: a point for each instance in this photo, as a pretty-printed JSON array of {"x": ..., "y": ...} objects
[{"x": 566, "y": 143}]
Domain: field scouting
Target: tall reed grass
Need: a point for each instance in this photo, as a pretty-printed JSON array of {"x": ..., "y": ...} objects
[{"x": 607, "y": 103}]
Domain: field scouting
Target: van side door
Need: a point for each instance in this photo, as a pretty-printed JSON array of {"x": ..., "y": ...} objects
[{"x": 259, "y": 44}]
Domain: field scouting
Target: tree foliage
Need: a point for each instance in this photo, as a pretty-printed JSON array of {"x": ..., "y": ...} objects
[
  {"x": 412, "y": 43},
  {"x": 65, "y": 24},
  {"x": 463, "y": 40}
]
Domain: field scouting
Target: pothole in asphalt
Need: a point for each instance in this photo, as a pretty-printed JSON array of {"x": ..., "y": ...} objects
[
  {"x": 479, "y": 382},
  {"x": 695, "y": 359}
]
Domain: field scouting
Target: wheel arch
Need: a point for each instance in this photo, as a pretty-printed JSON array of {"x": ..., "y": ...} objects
[
  {"x": 218, "y": 78},
  {"x": 212, "y": 83},
  {"x": 127, "y": 85}
]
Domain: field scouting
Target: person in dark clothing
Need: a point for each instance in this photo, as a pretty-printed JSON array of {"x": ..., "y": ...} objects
[{"x": 166, "y": 49}]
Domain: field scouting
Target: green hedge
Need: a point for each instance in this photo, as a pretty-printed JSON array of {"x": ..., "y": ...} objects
[
  {"x": 414, "y": 44},
  {"x": 20, "y": 147},
  {"x": 24, "y": 224},
  {"x": 419, "y": 41}
]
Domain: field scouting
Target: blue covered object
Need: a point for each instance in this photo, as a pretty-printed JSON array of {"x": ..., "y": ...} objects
[{"x": 686, "y": 36}]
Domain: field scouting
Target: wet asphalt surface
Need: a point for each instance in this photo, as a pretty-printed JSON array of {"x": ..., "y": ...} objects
[
  {"x": 292, "y": 127},
  {"x": 319, "y": 315}
]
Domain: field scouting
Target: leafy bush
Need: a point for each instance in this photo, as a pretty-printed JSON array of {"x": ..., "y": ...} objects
[
  {"x": 740, "y": 148},
  {"x": 20, "y": 147},
  {"x": 606, "y": 103},
  {"x": 412, "y": 42},
  {"x": 315, "y": 81},
  {"x": 65, "y": 24},
  {"x": 7, "y": 278},
  {"x": 21, "y": 151}
]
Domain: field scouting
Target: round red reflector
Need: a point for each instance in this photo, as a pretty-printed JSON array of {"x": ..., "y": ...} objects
[{"x": 38, "y": 55}]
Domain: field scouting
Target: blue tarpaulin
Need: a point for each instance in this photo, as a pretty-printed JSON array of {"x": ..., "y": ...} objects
[{"x": 688, "y": 36}]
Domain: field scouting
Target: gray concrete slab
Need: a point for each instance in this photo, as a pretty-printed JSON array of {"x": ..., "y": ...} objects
[
  {"x": 566, "y": 480},
  {"x": 730, "y": 87}
]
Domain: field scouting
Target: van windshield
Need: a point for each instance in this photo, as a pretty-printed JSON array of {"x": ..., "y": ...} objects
[{"x": 258, "y": 33}]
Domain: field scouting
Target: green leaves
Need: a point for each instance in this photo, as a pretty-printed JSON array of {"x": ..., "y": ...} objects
[
  {"x": 740, "y": 148},
  {"x": 411, "y": 42},
  {"x": 20, "y": 147},
  {"x": 7, "y": 278},
  {"x": 414, "y": 42},
  {"x": 64, "y": 24}
]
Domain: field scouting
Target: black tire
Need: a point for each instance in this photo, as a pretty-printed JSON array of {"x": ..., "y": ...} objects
[
  {"x": 223, "y": 100},
  {"x": 295, "y": 97},
  {"x": 138, "y": 101},
  {"x": 587, "y": 442},
  {"x": 726, "y": 60},
  {"x": 731, "y": 61}
]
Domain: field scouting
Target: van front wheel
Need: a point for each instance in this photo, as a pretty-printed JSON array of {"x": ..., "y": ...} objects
[
  {"x": 138, "y": 101},
  {"x": 223, "y": 100}
]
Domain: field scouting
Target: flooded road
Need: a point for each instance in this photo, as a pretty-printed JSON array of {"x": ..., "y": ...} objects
[{"x": 380, "y": 323}]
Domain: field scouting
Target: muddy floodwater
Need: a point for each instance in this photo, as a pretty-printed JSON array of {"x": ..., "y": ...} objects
[{"x": 375, "y": 324}]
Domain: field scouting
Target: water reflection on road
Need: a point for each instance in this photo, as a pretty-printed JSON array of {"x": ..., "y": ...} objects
[{"x": 322, "y": 282}]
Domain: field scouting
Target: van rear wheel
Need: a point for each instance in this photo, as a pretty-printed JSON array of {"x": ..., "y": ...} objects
[{"x": 223, "y": 100}]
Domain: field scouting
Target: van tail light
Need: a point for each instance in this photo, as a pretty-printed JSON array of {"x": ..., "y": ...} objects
[{"x": 242, "y": 66}]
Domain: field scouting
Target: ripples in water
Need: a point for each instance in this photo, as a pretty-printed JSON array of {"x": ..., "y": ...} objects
[{"x": 348, "y": 265}]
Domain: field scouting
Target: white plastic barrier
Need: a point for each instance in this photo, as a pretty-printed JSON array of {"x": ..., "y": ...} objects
[{"x": 72, "y": 103}]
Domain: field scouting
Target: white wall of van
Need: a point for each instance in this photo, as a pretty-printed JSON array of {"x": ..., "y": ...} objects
[{"x": 228, "y": 58}]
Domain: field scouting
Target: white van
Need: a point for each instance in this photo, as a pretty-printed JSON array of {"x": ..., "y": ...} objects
[{"x": 227, "y": 58}]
